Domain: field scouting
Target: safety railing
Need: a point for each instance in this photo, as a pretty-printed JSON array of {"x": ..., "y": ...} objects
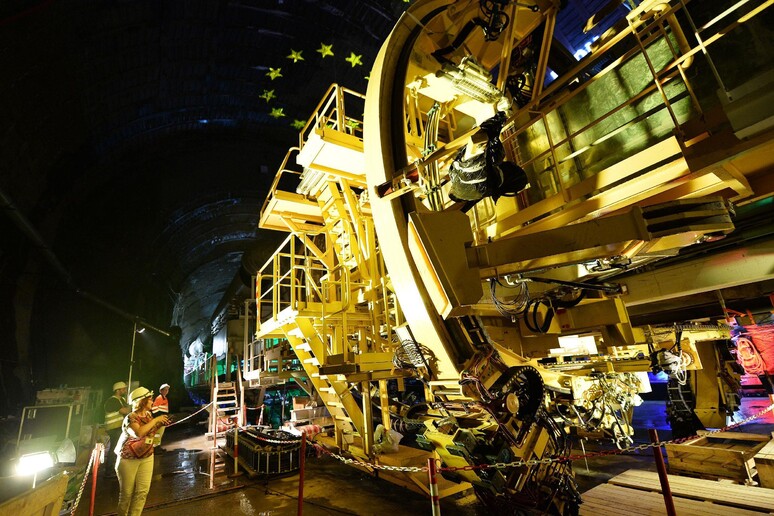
[
  {"x": 291, "y": 278},
  {"x": 200, "y": 372},
  {"x": 331, "y": 113},
  {"x": 283, "y": 172},
  {"x": 587, "y": 120}
]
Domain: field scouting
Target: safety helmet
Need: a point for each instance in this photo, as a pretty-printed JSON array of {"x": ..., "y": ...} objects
[
  {"x": 138, "y": 394},
  {"x": 118, "y": 385},
  {"x": 163, "y": 386}
]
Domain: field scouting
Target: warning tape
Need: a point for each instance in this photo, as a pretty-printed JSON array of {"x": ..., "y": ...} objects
[{"x": 534, "y": 462}]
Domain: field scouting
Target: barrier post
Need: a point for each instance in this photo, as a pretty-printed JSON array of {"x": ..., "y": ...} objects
[
  {"x": 98, "y": 454},
  {"x": 662, "y": 474},
  {"x": 301, "y": 462},
  {"x": 431, "y": 473},
  {"x": 236, "y": 472}
]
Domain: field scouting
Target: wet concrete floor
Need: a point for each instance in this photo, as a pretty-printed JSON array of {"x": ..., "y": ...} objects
[{"x": 181, "y": 486}]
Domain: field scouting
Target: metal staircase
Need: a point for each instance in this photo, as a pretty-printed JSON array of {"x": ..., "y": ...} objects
[{"x": 329, "y": 297}]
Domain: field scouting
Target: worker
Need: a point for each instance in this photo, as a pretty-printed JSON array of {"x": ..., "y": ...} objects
[
  {"x": 116, "y": 408},
  {"x": 135, "y": 452},
  {"x": 161, "y": 408}
]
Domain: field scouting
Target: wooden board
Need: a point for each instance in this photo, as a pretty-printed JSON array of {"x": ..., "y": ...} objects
[
  {"x": 721, "y": 493},
  {"x": 764, "y": 463},
  {"x": 720, "y": 454},
  {"x": 45, "y": 499},
  {"x": 612, "y": 500}
]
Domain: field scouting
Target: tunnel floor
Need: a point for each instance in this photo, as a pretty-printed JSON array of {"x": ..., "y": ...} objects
[{"x": 181, "y": 486}]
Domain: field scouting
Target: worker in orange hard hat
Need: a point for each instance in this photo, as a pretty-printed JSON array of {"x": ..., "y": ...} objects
[
  {"x": 115, "y": 408},
  {"x": 161, "y": 408},
  {"x": 135, "y": 452}
]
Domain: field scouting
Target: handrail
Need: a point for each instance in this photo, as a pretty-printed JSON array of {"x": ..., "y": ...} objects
[
  {"x": 331, "y": 107},
  {"x": 277, "y": 177},
  {"x": 282, "y": 269},
  {"x": 557, "y": 145}
]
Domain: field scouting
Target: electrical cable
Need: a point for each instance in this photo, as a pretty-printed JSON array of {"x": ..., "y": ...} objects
[
  {"x": 515, "y": 307},
  {"x": 604, "y": 287}
]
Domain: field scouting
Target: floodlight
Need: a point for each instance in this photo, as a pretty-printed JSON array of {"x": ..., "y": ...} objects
[{"x": 32, "y": 463}]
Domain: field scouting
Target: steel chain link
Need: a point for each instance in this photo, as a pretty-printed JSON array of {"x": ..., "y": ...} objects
[
  {"x": 98, "y": 450},
  {"x": 537, "y": 462}
]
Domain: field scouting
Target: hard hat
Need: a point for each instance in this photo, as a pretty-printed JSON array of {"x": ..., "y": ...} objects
[
  {"x": 138, "y": 394},
  {"x": 163, "y": 386},
  {"x": 118, "y": 385}
]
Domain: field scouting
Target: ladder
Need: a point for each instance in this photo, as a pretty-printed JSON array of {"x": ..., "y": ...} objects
[{"x": 227, "y": 402}]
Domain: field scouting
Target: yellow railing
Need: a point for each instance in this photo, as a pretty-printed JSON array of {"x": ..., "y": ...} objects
[
  {"x": 283, "y": 169},
  {"x": 289, "y": 279},
  {"x": 331, "y": 113},
  {"x": 566, "y": 134}
]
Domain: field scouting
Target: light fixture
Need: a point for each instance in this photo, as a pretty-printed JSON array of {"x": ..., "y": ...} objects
[
  {"x": 34, "y": 463},
  {"x": 141, "y": 330}
]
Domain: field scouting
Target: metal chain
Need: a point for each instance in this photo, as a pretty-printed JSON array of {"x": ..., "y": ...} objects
[
  {"x": 536, "y": 462},
  {"x": 99, "y": 450}
]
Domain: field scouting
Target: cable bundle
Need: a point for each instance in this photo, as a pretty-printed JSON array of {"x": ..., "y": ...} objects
[{"x": 410, "y": 355}]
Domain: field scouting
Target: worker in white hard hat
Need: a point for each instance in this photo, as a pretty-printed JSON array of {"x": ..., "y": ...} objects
[
  {"x": 135, "y": 452},
  {"x": 161, "y": 408},
  {"x": 116, "y": 408}
]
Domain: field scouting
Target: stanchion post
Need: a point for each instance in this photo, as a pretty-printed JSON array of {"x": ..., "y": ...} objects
[
  {"x": 435, "y": 500},
  {"x": 97, "y": 456},
  {"x": 301, "y": 462},
  {"x": 236, "y": 450},
  {"x": 236, "y": 472},
  {"x": 662, "y": 474}
]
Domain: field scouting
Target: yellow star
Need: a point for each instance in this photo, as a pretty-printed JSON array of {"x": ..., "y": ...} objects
[
  {"x": 267, "y": 95},
  {"x": 354, "y": 60},
  {"x": 295, "y": 55},
  {"x": 273, "y": 73},
  {"x": 277, "y": 113},
  {"x": 325, "y": 50},
  {"x": 298, "y": 124}
]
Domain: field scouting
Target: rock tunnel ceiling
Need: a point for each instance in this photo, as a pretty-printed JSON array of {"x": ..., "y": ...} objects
[
  {"x": 138, "y": 142},
  {"x": 139, "y": 139}
]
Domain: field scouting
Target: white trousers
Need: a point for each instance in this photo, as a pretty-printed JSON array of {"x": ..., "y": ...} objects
[{"x": 134, "y": 479}]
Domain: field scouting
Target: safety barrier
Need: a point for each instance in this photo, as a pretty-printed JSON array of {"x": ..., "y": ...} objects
[
  {"x": 432, "y": 468},
  {"x": 297, "y": 450}
]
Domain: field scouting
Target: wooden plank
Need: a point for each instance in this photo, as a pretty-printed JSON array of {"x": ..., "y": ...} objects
[
  {"x": 722, "y": 454},
  {"x": 46, "y": 498},
  {"x": 764, "y": 463},
  {"x": 739, "y": 436},
  {"x": 749, "y": 497},
  {"x": 613, "y": 500}
]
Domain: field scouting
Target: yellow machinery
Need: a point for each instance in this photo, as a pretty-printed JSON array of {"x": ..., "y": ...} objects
[{"x": 477, "y": 215}]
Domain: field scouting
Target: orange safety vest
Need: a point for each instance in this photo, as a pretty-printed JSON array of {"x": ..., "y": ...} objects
[{"x": 160, "y": 405}]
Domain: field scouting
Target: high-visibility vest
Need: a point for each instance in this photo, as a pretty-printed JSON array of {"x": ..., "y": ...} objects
[
  {"x": 114, "y": 420},
  {"x": 160, "y": 405}
]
